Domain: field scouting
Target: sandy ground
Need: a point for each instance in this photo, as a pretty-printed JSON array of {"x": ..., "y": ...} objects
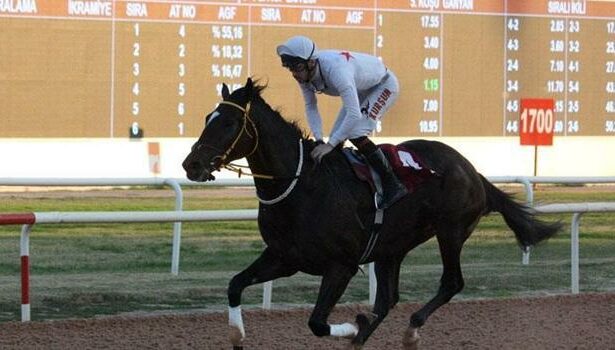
[{"x": 556, "y": 322}]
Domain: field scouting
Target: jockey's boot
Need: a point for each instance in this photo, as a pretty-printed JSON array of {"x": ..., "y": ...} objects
[{"x": 392, "y": 188}]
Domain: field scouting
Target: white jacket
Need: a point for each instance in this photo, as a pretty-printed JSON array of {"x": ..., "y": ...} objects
[{"x": 346, "y": 74}]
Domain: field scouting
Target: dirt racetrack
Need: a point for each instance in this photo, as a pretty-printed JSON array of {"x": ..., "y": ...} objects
[{"x": 556, "y": 322}]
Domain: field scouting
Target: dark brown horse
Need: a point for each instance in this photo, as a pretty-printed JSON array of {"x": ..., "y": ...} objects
[{"x": 317, "y": 218}]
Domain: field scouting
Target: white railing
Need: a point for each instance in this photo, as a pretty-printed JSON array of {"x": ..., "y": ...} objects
[
  {"x": 69, "y": 182},
  {"x": 179, "y": 215},
  {"x": 529, "y": 181},
  {"x": 176, "y": 183},
  {"x": 577, "y": 209},
  {"x": 29, "y": 219}
]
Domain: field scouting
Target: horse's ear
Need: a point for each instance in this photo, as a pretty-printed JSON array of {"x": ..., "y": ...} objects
[
  {"x": 225, "y": 92},
  {"x": 249, "y": 87}
]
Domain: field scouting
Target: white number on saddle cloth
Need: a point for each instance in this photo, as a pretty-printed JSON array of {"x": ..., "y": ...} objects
[{"x": 407, "y": 160}]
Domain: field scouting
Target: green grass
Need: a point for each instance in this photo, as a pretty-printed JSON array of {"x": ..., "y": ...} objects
[{"x": 87, "y": 270}]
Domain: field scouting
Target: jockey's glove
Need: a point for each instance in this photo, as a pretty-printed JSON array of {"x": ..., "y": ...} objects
[{"x": 320, "y": 151}]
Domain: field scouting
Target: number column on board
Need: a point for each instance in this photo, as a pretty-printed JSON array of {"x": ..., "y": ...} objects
[
  {"x": 417, "y": 64},
  {"x": 609, "y": 83},
  {"x": 575, "y": 51},
  {"x": 597, "y": 70},
  {"x": 211, "y": 50},
  {"x": 228, "y": 50},
  {"x": 512, "y": 68},
  {"x": 137, "y": 75},
  {"x": 537, "y": 47}
]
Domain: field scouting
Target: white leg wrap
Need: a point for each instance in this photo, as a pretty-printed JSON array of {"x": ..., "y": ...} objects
[
  {"x": 344, "y": 330},
  {"x": 235, "y": 320}
]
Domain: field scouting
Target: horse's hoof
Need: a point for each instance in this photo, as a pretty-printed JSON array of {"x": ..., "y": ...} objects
[
  {"x": 411, "y": 339},
  {"x": 353, "y": 346},
  {"x": 365, "y": 320},
  {"x": 236, "y": 338}
]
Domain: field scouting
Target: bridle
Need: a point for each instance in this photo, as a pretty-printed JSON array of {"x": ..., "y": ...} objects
[
  {"x": 238, "y": 168},
  {"x": 244, "y": 128}
]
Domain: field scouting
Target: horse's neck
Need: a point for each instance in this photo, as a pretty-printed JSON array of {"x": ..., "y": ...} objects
[{"x": 277, "y": 153}]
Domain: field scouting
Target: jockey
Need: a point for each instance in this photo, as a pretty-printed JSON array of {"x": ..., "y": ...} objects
[{"x": 367, "y": 88}]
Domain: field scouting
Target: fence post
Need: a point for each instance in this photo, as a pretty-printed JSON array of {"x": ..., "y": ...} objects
[
  {"x": 177, "y": 226},
  {"x": 574, "y": 253},
  {"x": 529, "y": 201},
  {"x": 24, "y": 246},
  {"x": 267, "y": 291}
]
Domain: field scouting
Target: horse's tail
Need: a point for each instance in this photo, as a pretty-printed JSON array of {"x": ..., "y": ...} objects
[{"x": 520, "y": 218}]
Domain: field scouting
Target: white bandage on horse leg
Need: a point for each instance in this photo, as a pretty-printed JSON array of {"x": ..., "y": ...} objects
[
  {"x": 235, "y": 320},
  {"x": 343, "y": 330}
]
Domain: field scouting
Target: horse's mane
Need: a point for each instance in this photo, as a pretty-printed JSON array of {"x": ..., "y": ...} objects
[{"x": 257, "y": 90}]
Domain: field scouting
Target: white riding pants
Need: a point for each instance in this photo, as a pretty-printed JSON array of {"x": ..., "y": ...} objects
[{"x": 374, "y": 104}]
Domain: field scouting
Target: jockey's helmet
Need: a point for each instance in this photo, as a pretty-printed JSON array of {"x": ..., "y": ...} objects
[{"x": 296, "y": 51}]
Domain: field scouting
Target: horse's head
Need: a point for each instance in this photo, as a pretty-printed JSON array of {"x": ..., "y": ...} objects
[{"x": 229, "y": 134}]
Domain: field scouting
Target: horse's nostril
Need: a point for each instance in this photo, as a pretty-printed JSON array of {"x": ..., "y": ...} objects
[
  {"x": 191, "y": 166},
  {"x": 194, "y": 166}
]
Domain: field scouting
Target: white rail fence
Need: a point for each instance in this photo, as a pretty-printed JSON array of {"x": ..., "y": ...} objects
[
  {"x": 29, "y": 219},
  {"x": 577, "y": 209},
  {"x": 178, "y": 216},
  {"x": 176, "y": 183}
]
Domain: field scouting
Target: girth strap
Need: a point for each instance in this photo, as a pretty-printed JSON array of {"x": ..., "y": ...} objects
[{"x": 373, "y": 237}]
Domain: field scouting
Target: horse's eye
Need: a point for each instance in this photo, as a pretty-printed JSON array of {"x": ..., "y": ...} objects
[{"x": 229, "y": 122}]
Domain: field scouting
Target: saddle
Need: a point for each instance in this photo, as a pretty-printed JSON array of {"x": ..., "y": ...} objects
[
  {"x": 408, "y": 167},
  {"x": 406, "y": 164}
]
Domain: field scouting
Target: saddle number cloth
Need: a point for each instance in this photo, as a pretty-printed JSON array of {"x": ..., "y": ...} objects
[{"x": 406, "y": 164}]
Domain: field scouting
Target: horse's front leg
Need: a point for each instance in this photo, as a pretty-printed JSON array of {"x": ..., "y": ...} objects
[
  {"x": 334, "y": 283},
  {"x": 268, "y": 266},
  {"x": 387, "y": 277}
]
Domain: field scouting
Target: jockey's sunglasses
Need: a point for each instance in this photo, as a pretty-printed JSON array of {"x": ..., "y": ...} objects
[
  {"x": 297, "y": 67},
  {"x": 295, "y": 64}
]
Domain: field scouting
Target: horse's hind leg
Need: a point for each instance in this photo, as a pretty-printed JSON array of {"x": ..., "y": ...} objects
[
  {"x": 394, "y": 283},
  {"x": 387, "y": 276},
  {"x": 265, "y": 268},
  {"x": 451, "y": 282},
  {"x": 334, "y": 283}
]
